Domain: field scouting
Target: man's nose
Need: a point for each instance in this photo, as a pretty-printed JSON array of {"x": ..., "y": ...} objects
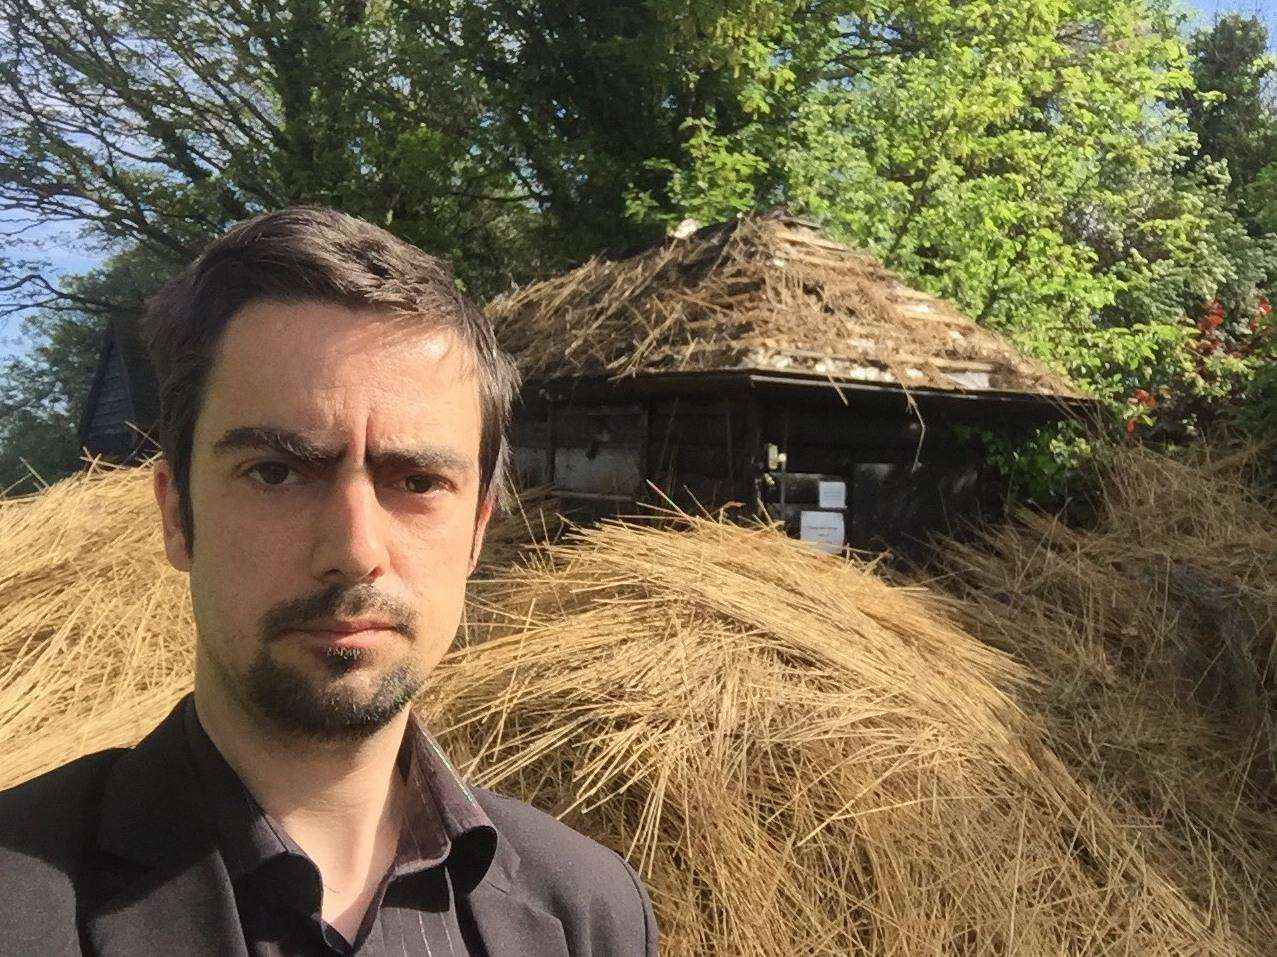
[{"x": 350, "y": 538}]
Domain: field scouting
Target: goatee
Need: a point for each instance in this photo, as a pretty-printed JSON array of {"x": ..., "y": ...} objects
[
  {"x": 332, "y": 709},
  {"x": 328, "y": 710}
]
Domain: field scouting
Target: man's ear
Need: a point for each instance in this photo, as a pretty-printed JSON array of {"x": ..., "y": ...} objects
[
  {"x": 480, "y": 529},
  {"x": 175, "y": 544}
]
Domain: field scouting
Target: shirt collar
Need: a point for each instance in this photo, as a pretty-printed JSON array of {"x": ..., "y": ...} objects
[{"x": 445, "y": 824}]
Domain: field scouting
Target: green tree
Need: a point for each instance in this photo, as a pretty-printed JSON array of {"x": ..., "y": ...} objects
[
  {"x": 1031, "y": 161},
  {"x": 1233, "y": 114},
  {"x": 1037, "y": 161},
  {"x": 155, "y": 124},
  {"x": 1227, "y": 108}
]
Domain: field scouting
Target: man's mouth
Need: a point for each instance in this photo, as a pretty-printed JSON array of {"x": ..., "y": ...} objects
[
  {"x": 346, "y": 632},
  {"x": 348, "y": 625}
]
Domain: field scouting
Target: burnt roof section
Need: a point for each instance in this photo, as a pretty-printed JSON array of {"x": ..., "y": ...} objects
[{"x": 767, "y": 293}]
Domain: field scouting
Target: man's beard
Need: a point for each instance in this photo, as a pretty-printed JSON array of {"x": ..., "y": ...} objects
[
  {"x": 331, "y": 710},
  {"x": 328, "y": 711}
]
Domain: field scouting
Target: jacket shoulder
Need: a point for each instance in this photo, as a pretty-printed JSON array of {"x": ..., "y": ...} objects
[
  {"x": 45, "y": 815},
  {"x": 46, "y": 825},
  {"x": 596, "y": 895}
]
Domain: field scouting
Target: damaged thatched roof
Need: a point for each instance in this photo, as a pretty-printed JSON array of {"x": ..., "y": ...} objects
[{"x": 768, "y": 293}]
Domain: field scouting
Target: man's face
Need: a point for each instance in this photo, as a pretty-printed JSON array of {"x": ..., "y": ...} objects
[{"x": 334, "y": 486}]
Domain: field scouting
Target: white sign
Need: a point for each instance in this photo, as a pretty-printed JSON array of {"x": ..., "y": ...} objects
[
  {"x": 833, "y": 495},
  {"x": 825, "y": 530}
]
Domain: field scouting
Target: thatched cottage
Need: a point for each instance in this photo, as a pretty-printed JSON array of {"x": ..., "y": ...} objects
[{"x": 757, "y": 363}]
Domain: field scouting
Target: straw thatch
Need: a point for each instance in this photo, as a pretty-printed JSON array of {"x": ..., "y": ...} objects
[
  {"x": 1157, "y": 632},
  {"x": 767, "y": 293},
  {"x": 800, "y": 757}
]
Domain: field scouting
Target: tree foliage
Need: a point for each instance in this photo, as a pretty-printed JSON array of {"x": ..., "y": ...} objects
[
  {"x": 1069, "y": 171},
  {"x": 155, "y": 124},
  {"x": 1228, "y": 108},
  {"x": 1026, "y": 160},
  {"x": 1234, "y": 116}
]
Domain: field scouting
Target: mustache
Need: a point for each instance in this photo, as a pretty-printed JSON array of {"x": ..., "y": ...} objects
[{"x": 340, "y": 601}]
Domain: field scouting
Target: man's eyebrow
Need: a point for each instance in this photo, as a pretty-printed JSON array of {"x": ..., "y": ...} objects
[
  {"x": 423, "y": 460},
  {"x": 297, "y": 446},
  {"x": 266, "y": 438}
]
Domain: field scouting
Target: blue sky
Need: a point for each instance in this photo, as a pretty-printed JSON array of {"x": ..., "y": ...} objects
[
  {"x": 66, "y": 254},
  {"x": 1265, "y": 10}
]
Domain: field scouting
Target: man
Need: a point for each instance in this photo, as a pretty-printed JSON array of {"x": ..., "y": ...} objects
[{"x": 333, "y": 418}]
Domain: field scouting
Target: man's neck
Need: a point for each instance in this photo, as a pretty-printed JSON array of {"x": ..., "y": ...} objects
[{"x": 341, "y": 801}]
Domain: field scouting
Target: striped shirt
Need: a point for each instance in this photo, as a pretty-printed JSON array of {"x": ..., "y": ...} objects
[{"x": 445, "y": 848}]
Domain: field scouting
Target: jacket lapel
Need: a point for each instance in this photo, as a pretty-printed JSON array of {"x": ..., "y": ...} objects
[
  {"x": 175, "y": 896},
  {"x": 508, "y": 924},
  {"x": 185, "y": 908}
]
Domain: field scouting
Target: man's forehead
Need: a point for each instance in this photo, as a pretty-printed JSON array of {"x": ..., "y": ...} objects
[
  {"x": 333, "y": 377},
  {"x": 279, "y": 352},
  {"x": 324, "y": 331}
]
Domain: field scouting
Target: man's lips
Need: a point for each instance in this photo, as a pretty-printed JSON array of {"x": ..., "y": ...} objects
[
  {"x": 347, "y": 626},
  {"x": 348, "y": 633}
]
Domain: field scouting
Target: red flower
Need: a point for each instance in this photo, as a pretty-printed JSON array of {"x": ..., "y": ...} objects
[{"x": 1263, "y": 307}]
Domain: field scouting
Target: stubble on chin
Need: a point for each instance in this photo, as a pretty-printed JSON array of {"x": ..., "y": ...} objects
[
  {"x": 330, "y": 700},
  {"x": 331, "y": 705}
]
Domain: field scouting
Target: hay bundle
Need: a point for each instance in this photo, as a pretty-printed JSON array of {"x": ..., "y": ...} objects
[
  {"x": 94, "y": 625},
  {"x": 1155, "y": 633},
  {"x": 800, "y": 757},
  {"x": 766, "y": 292}
]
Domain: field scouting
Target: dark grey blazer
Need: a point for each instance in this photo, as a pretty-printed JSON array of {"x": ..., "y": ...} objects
[{"x": 104, "y": 856}]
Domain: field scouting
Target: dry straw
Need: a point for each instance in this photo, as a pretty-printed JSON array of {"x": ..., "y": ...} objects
[
  {"x": 800, "y": 757},
  {"x": 769, "y": 293},
  {"x": 1155, "y": 633},
  {"x": 94, "y": 624}
]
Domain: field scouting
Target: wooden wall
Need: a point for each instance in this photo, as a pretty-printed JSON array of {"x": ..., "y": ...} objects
[
  {"x": 903, "y": 480},
  {"x": 108, "y": 431}
]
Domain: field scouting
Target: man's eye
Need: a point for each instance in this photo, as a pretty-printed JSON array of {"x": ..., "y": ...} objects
[
  {"x": 420, "y": 484},
  {"x": 271, "y": 473}
]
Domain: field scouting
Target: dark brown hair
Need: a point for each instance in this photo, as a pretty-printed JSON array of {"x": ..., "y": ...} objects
[{"x": 312, "y": 254}]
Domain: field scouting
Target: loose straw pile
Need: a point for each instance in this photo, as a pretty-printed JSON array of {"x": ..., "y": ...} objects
[
  {"x": 1155, "y": 636},
  {"x": 95, "y": 626},
  {"x": 799, "y": 757}
]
